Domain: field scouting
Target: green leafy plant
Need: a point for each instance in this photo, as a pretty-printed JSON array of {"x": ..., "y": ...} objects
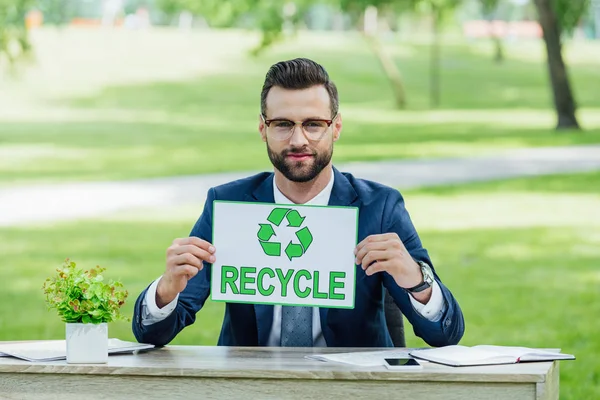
[{"x": 83, "y": 297}]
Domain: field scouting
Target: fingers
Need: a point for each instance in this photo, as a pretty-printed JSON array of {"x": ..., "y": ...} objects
[
  {"x": 369, "y": 247},
  {"x": 375, "y": 239},
  {"x": 187, "y": 259},
  {"x": 377, "y": 267},
  {"x": 188, "y": 270},
  {"x": 194, "y": 250},
  {"x": 190, "y": 251},
  {"x": 375, "y": 256},
  {"x": 195, "y": 241}
]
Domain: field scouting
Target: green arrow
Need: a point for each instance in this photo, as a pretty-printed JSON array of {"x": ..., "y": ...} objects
[
  {"x": 271, "y": 249},
  {"x": 293, "y": 250},
  {"x": 277, "y": 215},
  {"x": 305, "y": 237},
  {"x": 294, "y": 219},
  {"x": 265, "y": 232}
]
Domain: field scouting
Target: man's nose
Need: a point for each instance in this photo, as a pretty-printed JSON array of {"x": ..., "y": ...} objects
[{"x": 298, "y": 138}]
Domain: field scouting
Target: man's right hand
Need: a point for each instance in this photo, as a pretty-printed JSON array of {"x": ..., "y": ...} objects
[{"x": 184, "y": 261}]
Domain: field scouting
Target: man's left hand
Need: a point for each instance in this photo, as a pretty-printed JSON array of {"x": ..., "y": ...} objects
[{"x": 386, "y": 252}]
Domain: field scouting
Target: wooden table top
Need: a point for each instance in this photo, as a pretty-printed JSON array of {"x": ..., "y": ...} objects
[{"x": 273, "y": 363}]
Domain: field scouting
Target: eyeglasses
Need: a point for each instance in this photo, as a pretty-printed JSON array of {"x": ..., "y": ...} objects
[{"x": 282, "y": 129}]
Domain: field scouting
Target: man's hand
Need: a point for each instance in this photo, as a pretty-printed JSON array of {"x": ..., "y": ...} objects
[
  {"x": 386, "y": 252},
  {"x": 184, "y": 261}
]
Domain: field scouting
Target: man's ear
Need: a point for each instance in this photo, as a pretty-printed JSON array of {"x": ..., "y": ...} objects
[
  {"x": 337, "y": 127},
  {"x": 262, "y": 128}
]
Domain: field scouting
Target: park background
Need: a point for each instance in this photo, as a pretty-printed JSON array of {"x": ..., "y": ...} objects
[{"x": 98, "y": 92}]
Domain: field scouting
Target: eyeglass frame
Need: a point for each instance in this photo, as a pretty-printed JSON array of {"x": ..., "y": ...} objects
[{"x": 329, "y": 122}]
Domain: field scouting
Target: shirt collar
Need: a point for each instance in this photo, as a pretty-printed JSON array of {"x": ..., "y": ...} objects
[{"x": 321, "y": 199}]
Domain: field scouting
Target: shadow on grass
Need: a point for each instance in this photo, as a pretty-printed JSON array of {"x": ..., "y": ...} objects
[
  {"x": 103, "y": 149},
  {"x": 209, "y": 124},
  {"x": 468, "y": 81}
]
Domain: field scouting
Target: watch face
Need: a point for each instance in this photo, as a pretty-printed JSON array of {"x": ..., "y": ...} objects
[{"x": 427, "y": 274}]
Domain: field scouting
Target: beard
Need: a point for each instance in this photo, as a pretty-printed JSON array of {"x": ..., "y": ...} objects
[{"x": 300, "y": 171}]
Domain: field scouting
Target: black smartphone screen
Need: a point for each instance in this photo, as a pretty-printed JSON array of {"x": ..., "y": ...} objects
[{"x": 396, "y": 362}]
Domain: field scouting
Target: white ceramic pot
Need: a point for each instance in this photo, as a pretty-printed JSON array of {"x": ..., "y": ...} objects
[{"x": 87, "y": 343}]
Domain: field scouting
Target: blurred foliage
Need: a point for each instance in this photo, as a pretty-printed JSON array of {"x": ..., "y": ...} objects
[
  {"x": 220, "y": 13},
  {"x": 56, "y": 12},
  {"x": 14, "y": 42},
  {"x": 270, "y": 16},
  {"x": 276, "y": 18},
  {"x": 489, "y": 6},
  {"x": 570, "y": 13}
]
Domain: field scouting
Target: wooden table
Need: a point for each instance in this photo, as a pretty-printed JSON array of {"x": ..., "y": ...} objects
[{"x": 266, "y": 373}]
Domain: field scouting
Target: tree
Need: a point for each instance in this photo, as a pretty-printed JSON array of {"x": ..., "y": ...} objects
[
  {"x": 489, "y": 8},
  {"x": 220, "y": 13},
  {"x": 56, "y": 12},
  {"x": 366, "y": 15},
  {"x": 370, "y": 14},
  {"x": 557, "y": 17},
  {"x": 14, "y": 42},
  {"x": 267, "y": 15},
  {"x": 438, "y": 10},
  {"x": 273, "y": 16}
]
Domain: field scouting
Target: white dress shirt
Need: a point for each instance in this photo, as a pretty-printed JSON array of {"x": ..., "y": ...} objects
[{"x": 151, "y": 314}]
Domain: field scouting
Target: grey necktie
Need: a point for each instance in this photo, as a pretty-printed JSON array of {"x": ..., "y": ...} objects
[{"x": 296, "y": 326}]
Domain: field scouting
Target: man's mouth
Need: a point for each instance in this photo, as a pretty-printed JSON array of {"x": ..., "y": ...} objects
[{"x": 299, "y": 156}]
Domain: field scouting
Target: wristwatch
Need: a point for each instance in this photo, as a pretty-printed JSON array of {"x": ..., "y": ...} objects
[{"x": 427, "y": 278}]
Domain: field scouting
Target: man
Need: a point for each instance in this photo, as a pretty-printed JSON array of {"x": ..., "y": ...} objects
[{"x": 299, "y": 123}]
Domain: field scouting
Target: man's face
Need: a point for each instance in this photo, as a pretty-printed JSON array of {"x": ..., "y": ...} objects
[{"x": 299, "y": 158}]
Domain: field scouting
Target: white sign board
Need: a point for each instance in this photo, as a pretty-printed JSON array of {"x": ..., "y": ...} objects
[{"x": 284, "y": 254}]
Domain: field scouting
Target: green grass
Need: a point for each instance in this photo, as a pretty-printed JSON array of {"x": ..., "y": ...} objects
[
  {"x": 165, "y": 103},
  {"x": 521, "y": 257}
]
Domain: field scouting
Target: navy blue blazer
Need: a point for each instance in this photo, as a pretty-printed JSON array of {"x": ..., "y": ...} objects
[{"x": 381, "y": 210}]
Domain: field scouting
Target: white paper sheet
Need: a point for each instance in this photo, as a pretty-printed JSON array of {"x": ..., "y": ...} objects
[{"x": 361, "y": 358}]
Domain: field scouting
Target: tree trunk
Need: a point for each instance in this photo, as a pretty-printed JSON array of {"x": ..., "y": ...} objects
[
  {"x": 497, "y": 41},
  {"x": 499, "y": 56},
  {"x": 435, "y": 67},
  {"x": 489, "y": 13},
  {"x": 370, "y": 22},
  {"x": 561, "y": 88},
  {"x": 595, "y": 10},
  {"x": 390, "y": 69}
]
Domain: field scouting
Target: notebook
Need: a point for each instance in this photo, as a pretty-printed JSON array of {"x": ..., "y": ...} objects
[
  {"x": 461, "y": 356},
  {"x": 52, "y": 350}
]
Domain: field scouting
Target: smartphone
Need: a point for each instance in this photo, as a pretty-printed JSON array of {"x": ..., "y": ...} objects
[{"x": 402, "y": 364}]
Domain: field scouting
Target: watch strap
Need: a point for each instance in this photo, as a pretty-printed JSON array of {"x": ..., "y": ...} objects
[{"x": 423, "y": 285}]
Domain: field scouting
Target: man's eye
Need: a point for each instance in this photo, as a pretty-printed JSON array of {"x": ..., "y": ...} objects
[
  {"x": 312, "y": 123},
  {"x": 283, "y": 124}
]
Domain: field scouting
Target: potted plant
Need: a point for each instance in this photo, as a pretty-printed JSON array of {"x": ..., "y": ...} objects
[{"x": 86, "y": 304}]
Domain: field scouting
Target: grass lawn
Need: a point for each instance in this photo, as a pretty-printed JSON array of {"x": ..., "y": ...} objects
[
  {"x": 521, "y": 256},
  {"x": 163, "y": 103}
]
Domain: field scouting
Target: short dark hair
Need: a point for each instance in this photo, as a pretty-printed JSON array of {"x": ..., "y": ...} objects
[{"x": 299, "y": 73}]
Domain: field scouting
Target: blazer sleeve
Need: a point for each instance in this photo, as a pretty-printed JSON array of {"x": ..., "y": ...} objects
[
  {"x": 190, "y": 301},
  {"x": 450, "y": 328}
]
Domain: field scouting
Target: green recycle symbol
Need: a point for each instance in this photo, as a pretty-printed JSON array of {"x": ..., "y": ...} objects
[{"x": 292, "y": 250}]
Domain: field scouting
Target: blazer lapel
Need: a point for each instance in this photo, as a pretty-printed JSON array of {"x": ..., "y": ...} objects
[
  {"x": 342, "y": 194},
  {"x": 264, "y": 322},
  {"x": 264, "y": 312},
  {"x": 263, "y": 193}
]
